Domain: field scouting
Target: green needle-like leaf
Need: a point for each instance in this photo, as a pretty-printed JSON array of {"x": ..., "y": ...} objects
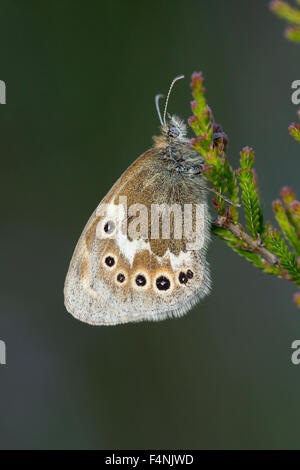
[
  {"x": 286, "y": 226},
  {"x": 276, "y": 244},
  {"x": 250, "y": 198}
]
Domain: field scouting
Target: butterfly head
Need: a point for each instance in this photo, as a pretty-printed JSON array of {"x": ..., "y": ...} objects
[{"x": 173, "y": 128}]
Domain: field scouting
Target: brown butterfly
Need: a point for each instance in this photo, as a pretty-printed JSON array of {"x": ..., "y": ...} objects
[{"x": 137, "y": 257}]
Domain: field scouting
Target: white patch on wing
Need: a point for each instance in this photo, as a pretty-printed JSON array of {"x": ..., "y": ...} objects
[
  {"x": 128, "y": 248},
  {"x": 109, "y": 211},
  {"x": 183, "y": 259}
]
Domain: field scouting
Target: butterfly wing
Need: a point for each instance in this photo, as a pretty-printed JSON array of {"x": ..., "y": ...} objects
[{"x": 116, "y": 278}]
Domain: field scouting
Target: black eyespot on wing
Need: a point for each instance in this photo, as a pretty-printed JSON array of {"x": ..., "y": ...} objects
[
  {"x": 120, "y": 278},
  {"x": 109, "y": 227},
  {"x": 183, "y": 278},
  {"x": 163, "y": 283},
  {"x": 140, "y": 280},
  {"x": 109, "y": 261},
  {"x": 190, "y": 274}
]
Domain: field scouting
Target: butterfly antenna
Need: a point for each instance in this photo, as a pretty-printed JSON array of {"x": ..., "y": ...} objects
[
  {"x": 157, "y": 98},
  {"x": 168, "y": 96}
]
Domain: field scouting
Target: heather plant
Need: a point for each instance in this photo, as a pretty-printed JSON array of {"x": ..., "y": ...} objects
[{"x": 275, "y": 251}]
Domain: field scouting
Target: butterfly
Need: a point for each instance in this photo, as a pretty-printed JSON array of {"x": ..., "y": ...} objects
[{"x": 131, "y": 263}]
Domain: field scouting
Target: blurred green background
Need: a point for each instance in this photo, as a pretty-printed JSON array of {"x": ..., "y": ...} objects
[{"x": 81, "y": 79}]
